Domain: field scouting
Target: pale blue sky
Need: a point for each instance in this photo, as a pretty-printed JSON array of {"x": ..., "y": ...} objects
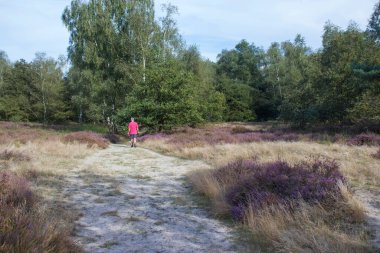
[{"x": 27, "y": 27}]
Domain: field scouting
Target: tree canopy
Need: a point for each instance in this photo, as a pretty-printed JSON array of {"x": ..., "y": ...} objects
[{"x": 124, "y": 61}]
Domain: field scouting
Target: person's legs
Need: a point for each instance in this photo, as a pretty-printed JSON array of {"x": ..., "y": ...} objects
[{"x": 133, "y": 140}]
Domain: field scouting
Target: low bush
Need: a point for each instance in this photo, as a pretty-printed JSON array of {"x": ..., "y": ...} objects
[
  {"x": 24, "y": 227},
  {"x": 302, "y": 207},
  {"x": 90, "y": 138},
  {"x": 113, "y": 138},
  {"x": 15, "y": 191},
  {"x": 240, "y": 130},
  {"x": 364, "y": 139},
  {"x": 211, "y": 136},
  {"x": 277, "y": 183}
]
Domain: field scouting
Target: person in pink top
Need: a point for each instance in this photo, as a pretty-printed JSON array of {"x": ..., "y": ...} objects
[{"x": 133, "y": 130}]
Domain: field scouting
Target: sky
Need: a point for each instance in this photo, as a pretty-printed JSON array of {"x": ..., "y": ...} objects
[{"x": 27, "y": 27}]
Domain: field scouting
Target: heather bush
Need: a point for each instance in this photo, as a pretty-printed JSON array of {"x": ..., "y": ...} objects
[
  {"x": 24, "y": 227},
  {"x": 90, "y": 138},
  {"x": 158, "y": 136},
  {"x": 261, "y": 184},
  {"x": 364, "y": 139},
  {"x": 240, "y": 130},
  {"x": 15, "y": 191},
  {"x": 190, "y": 137},
  {"x": 21, "y": 133},
  {"x": 13, "y": 155}
]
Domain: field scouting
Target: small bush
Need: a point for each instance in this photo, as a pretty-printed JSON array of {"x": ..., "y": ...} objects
[
  {"x": 261, "y": 184},
  {"x": 90, "y": 138},
  {"x": 24, "y": 227},
  {"x": 158, "y": 136},
  {"x": 240, "y": 130},
  {"x": 15, "y": 191},
  {"x": 113, "y": 138},
  {"x": 364, "y": 139},
  {"x": 13, "y": 155}
]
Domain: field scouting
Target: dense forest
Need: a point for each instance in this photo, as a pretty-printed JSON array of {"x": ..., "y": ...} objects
[{"x": 124, "y": 61}]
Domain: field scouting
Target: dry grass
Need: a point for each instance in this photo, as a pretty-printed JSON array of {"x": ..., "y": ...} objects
[
  {"x": 24, "y": 225},
  {"x": 357, "y": 163},
  {"x": 90, "y": 138},
  {"x": 305, "y": 230},
  {"x": 338, "y": 227},
  {"x": 36, "y": 161},
  {"x": 205, "y": 183}
]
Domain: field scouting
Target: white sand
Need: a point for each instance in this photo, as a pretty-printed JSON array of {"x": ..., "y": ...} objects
[{"x": 135, "y": 200}]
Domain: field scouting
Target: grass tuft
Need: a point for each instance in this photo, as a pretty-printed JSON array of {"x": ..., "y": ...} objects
[
  {"x": 90, "y": 138},
  {"x": 364, "y": 139},
  {"x": 13, "y": 155}
]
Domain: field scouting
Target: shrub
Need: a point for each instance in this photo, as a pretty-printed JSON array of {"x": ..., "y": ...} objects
[
  {"x": 113, "y": 138},
  {"x": 364, "y": 139},
  {"x": 240, "y": 130},
  {"x": 13, "y": 155},
  {"x": 90, "y": 138},
  {"x": 158, "y": 136},
  {"x": 15, "y": 191},
  {"x": 212, "y": 136},
  {"x": 261, "y": 184},
  {"x": 23, "y": 226}
]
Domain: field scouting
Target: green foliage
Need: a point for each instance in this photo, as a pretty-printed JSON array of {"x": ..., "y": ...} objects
[
  {"x": 18, "y": 93},
  {"x": 164, "y": 100},
  {"x": 340, "y": 87},
  {"x": 240, "y": 80},
  {"x": 366, "y": 109},
  {"x": 33, "y": 91},
  {"x": 298, "y": 89},
  {"x": 239, "y": 100},
  {"x": 211, "y": 103},
  {"x": 108, "y": 66},
  {"x": 126, "y": 62},
  {"x": 373, "y": 28}
]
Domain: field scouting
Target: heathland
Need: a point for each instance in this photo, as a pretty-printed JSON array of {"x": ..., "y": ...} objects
[
  {"x": 291, "y": 190},
  {"x": 295, "y": 191},
  {"x": 310, "y": 190}
]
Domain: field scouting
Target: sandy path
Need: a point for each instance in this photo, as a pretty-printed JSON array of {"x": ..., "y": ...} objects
[
  {"x": 371, "y": 201},
  {"x": 135, "y": 200}
]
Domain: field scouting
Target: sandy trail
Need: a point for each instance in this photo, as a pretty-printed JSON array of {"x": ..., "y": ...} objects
[
  {"x": 135, "y": 200},
  {"x": 371, "y": 202}
]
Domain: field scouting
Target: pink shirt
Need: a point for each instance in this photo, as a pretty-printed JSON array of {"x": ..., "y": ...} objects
[{"x": 133, "y": 127}]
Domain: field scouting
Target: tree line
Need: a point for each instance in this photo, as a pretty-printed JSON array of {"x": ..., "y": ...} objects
[{"x": 124, "y": 61}]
